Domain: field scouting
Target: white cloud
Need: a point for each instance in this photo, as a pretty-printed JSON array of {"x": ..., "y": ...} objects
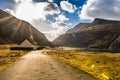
[
  {"x": 60, "y": 21},
  {"x": 49, "y": 36},
  {"x": 50, "y": 0},
  {"x": 42, "y": 26},
  {"x": 59, "y": 24},
  {"x": 18, "y": 1},
  {"x": 61, "y": 17},
  {"x": 65, "y": 5},
  {"x": 9, "y": 11},
  {"x": 56, "y": 33},
  {"x": 28, "y": 10},
  {"x": 51, "y": 9},
  {"x": 106, "y": 9}
]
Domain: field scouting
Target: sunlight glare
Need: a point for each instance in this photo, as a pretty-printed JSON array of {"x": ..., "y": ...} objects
[
  {"x": 29, "y": 11},
  {"x": 105, "y": 76}
]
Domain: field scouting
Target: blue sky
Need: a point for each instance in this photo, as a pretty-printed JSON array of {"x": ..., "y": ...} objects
[
  {"x": 10, "y": 4},
  {"x": 54, "y": 17}
]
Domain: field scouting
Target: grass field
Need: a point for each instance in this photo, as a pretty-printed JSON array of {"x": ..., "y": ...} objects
[
  {"x": 105, "y": 66},
  {"x": 7, "y": 57}
]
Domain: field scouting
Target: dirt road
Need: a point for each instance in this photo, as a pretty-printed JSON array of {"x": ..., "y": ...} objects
[{"x": 37, "y": 66}]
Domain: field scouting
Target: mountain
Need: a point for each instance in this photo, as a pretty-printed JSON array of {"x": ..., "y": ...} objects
[
  {"x": 101, "y": 33},
  {"x": 14, "y": 31},
  {"x": 78, "y": 28}
]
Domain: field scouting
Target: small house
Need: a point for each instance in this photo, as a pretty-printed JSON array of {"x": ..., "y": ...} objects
[{"x": 29, "y": 43}]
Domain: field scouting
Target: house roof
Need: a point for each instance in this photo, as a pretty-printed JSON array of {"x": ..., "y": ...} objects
[{"x": 32, "y": 41}]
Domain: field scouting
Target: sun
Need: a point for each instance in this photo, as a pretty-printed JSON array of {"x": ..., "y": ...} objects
[{"x": 29, "y": 11}]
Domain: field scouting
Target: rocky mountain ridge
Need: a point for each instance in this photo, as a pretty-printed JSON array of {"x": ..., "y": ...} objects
[
  {"x": 101, "y": 34},
  {"x": 14, "y": 31}
]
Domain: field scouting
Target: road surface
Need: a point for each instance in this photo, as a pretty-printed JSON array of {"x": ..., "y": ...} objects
[{"x": 37, "y": 66}]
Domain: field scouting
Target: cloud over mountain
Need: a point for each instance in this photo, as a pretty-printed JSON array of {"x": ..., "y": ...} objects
[{"x": 106, "y": 9}]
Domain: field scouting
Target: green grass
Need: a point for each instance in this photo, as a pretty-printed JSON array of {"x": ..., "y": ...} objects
[
  {"x": 105, "y": 66},
  {"x": 7, "y": 57}
]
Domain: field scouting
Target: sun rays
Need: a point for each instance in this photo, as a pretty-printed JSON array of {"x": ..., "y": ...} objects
[
  {"x": 5, "y": 18},
  {"x": 17, "y": 28}
]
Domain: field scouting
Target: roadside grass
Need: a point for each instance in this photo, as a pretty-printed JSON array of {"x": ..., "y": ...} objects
[
  {"x": 7, "y": 57},
  {"x": 103, "y": 65},
  {"x": 7, "y": 46}
]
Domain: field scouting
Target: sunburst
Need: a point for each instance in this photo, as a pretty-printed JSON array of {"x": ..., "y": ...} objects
[{"x": 5, "y": 18}]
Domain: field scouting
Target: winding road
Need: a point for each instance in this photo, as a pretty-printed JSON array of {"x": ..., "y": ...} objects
[{"x": 37, "y": 66}]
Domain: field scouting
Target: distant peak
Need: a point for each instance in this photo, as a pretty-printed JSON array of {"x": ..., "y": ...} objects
[
  {"x": 103, "y": 21},
  {"x": 100, "y": 19}
]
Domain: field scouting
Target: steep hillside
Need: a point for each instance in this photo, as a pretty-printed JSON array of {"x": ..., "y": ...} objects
[
  {"x": 13, "y": 30},
  {"x": 99, "y": 34},
  {"x": 78, "y": 28}
]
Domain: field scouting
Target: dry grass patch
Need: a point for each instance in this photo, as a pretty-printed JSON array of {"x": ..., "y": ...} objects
[
  {"x": 7, "y": 57},
  {"x": 105, "y": 66}
]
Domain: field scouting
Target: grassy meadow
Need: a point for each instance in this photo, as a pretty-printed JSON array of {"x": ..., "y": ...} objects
[
  {"x": 7, "y": 57},
  {"x": 103, "y": 65}
]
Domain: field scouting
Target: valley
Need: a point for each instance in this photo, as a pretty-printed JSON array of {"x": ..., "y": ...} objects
[{"x": 88, "y": 51}]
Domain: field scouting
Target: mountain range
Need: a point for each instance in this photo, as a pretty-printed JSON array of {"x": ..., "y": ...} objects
[
  {"x": 100, "y": 34},
  {"x": 14, "y": 31}
]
